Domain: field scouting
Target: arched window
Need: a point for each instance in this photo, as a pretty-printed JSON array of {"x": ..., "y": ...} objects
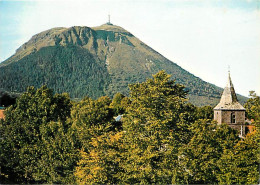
[{"x": 233, "y": 117}]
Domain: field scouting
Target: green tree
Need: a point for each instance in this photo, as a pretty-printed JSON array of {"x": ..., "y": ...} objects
[
  {"x": 116, "y": 104},
  {"x": 155, "y": 124},
  {"x": 199, "y": 157},
  {"x": 205, "y": 112},
  {"x": 24, "y": 143},
  {"x": 241, "y": 164},
  {"x": 154, "y": 127},
  {"x": 253, "y": 106},
  {"x": 91, "y": 118},
  {"x": 93, "y": 126}
]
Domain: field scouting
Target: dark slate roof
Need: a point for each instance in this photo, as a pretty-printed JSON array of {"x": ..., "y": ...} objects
[{"x": 228, "y": 99}]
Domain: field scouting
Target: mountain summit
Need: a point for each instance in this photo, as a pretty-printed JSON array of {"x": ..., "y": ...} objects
[{"x": 93, "y": 62}]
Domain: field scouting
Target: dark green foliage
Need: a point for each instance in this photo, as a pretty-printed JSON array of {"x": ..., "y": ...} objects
[
  {"x": 34, "y": 145},
  {"x": 205, "y": 112},
  {"x": 66, "y": 69},
  {"x": 154, "y": 125},
  {"x": 92, "y": 112},
  {"x": 253, "y": 106},
  {"x": 91, "y": 118},
  {"x": 120, "y": 103},
  {"x": 240, "y": 165},
  {"x": 199, "y": 157}
]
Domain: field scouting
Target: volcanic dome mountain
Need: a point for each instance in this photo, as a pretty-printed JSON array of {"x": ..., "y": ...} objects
[{"x": 93, "y": 62}]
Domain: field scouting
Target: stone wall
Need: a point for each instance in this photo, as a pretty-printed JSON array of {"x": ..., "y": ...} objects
[{"x": 224, "y": 116}]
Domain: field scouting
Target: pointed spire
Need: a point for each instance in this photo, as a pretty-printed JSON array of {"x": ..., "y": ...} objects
[
  {"x": 229, "y": 83},
  {"x": 229, "y": 98}
]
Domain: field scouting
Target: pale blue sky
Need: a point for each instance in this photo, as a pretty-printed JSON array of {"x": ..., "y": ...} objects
[{"x": 202, "y": 36}]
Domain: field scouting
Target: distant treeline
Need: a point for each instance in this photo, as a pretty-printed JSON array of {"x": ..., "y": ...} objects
[{"x": 160, "y": 139}]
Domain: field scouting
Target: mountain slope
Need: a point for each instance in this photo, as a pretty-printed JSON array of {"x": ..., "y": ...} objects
[{"x": 94, "y": 62}]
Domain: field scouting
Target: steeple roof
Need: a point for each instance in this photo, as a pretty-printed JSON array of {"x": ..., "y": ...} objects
[{"x": 229, "y": 98}]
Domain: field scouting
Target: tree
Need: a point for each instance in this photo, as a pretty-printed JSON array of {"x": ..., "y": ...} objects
[
  {"x": 30, "y": 134},
  {"x": 155, "y": 124},
  {"x": 253, "y": 106},
  {"x": 101, "y": 163},
  {"x": 205, "y": 112},
  {"x": 116, "y": 104},
  {"x": 91, "y": 118},
  {"x": 93, "y": 127},
  {"x": 154, "y": 127},
  {"x": 200, "y": 156},
  {"x": 241, "y": 164}
]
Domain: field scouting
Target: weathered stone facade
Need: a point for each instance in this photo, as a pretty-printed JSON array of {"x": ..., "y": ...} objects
[
  {"x": 225, "y": 116},
  {"x": 229, "y": 110}
]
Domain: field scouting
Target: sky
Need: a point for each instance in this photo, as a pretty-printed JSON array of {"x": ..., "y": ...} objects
[{"x": 202, "y": 36}]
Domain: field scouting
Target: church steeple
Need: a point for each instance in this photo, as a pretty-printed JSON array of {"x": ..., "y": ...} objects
[
  {"x": 229, "y": 98},
  {"x": 230, "y": 84},
  {"x": 229, "y": 110}
]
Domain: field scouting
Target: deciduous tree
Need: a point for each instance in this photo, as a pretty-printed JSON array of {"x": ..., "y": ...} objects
[
  {"x": 30, "y": 134},
  {"x": 200, "y": 156},
  {"x": 154, "y": 128}
]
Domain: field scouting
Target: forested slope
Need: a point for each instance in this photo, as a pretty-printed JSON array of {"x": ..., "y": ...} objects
[{"x": 94, "y": 61}]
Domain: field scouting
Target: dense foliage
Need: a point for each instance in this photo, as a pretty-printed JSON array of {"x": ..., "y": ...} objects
[
  {"x": 253, "y": 106},
  {"x": 65, "y": 69},
  {"x": 160, "y": 138}
]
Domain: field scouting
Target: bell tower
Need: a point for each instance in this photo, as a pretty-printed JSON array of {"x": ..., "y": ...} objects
[{"x": 229, "y": 110}]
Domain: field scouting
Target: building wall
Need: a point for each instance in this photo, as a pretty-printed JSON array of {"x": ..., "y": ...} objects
[
  {"x": 217, "y": 116},
  {"x": 224, "y": 116}
]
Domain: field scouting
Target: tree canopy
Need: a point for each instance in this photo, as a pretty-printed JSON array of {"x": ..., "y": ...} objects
[{"x": 48, "y": 138}]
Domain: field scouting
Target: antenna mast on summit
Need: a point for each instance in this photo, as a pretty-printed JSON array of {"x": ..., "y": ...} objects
[{"x": 109, "y": 18}]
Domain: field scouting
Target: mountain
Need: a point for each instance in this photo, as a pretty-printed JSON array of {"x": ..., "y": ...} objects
[{"x": 94, "y": 62}]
